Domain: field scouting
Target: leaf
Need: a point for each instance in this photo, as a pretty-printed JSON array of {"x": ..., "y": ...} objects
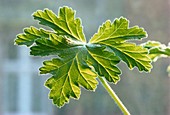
[
  {"x": 104, "y": 62},
  {"x": 168, "y": 70},
  {"x": 74, "y": 62},
  {"x": 70, "y": 69},
  {"x": 30, "y": 35},
  {"x": 115, "y": 35},
  {"x": 51, "y": 46},
  {"x": 118, "y": 31},
  {"x": 64, "y": 24},
  {"x": 133, "y": 55},
  {"x": 69, "y": 73},
  {"x": 157, "y": 50}
]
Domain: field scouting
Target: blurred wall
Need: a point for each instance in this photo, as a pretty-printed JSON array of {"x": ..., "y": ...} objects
[{"x": 1, "y": 86}]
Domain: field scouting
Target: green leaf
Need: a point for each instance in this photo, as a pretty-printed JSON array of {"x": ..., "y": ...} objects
[
  {"x": 69, "y": 73},
  {"x": 168, "y": 70},
  {"x": 51, "y": 46},
  {"x": 118, "y": 31},
  {"x": 71, "y": 68},
  {"x": 104, "y": 62},
  {"x": 74, "y": 62},
  {"x": 157, "y": 50},
  {"x": 30, "y": 35},
  {"x": 133, "y": 55},
  {"x": 115, "y": 35},
  {"x": 64, "y": 24}
]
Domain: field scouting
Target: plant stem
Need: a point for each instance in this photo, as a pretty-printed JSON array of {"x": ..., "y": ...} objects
[{"x": 114, "y": 96}]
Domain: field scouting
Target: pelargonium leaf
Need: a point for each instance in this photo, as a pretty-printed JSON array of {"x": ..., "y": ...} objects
[
  {"x": 65, "y": 23},
  {"x": 118, "y": 31},
  {"x": 51, "y": 46},
  {"x": 69, "y": 69},
  {"x": 30, "y": 35},
  {"x": 69, "y": 73},
  {"x": 132, "y": 55},
  {"x": 104, "y": 62},
  {"x": 168, "y": 70},
  {"x": 157, "y": 50},
  {"x": 115, "y": 36},
  {"x": 74, "y": 62}
]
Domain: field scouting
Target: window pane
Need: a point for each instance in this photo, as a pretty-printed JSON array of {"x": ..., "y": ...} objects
[
  {"x": 36, "y": 93},
  {"x": 11, "y": 93}
]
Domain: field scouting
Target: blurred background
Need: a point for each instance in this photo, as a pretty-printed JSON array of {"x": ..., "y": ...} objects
[{"x": 22, "y": 90}]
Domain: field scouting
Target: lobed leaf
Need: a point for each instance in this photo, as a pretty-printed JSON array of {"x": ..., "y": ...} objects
[
  {"x": 51, "y": 46},
  {"x": 157, "y": 50},
  {"x": 69, "y": 73},
  {"x": 76, "y": 63},
  {"x": 118, "y": 31},
  {"x": 115, "y": 35},
  {"x": 168, "y": 70},
  {"x": 30, "y": 35},
  {"x": 104, "y": 62},
  {"x": 132, "y": 55},
  {"x": 64, "y": 24}
]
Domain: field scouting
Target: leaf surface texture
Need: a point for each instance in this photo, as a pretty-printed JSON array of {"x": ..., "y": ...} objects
[{"x": 77, "y": 63}]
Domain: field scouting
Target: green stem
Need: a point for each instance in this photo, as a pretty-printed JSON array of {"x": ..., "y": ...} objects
[{"x": 113, "y": 95}]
